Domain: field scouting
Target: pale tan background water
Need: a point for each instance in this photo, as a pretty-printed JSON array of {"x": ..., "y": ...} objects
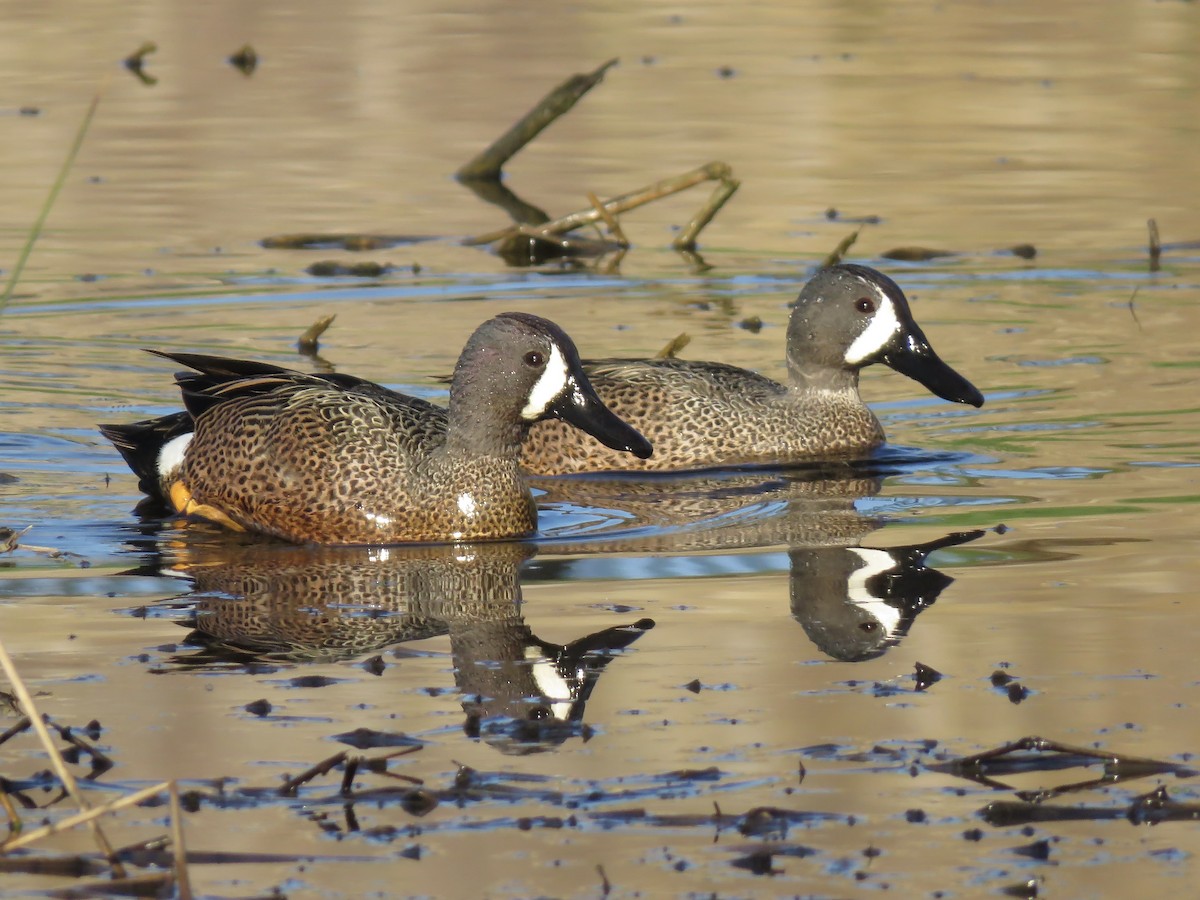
[{"x": 965, "y": 126}]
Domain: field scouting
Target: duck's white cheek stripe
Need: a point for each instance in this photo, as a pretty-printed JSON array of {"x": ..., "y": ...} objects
[
  {"x": 883, "y": 325},
  {"x": 170, "y": 457},
  {"x": 549, "y": 386}
]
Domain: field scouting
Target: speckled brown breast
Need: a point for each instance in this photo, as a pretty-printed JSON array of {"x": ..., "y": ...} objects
[
  {"x": 702, "y": 414},
  {"x": 316, "y": 463}
]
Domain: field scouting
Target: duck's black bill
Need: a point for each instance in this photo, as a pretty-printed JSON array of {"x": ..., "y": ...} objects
[
  {"x": 912, "y": 356},
  {"x": 582, "y": 407}
]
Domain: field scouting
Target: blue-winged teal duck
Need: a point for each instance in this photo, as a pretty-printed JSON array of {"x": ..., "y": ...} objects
[
  {"x": 335, "y": 459},
  {"x": 705, "y": 414}
]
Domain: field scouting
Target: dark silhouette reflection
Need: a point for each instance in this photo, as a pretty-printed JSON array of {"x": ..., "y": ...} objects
[
  {"x": 261, "y": 603},
  {"x": 853, "y": 601}
]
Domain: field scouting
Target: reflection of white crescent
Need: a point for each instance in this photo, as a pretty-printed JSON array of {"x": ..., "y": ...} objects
[
  {"x": 550, "y": 682},
  {"x": 875, "y": 562}
]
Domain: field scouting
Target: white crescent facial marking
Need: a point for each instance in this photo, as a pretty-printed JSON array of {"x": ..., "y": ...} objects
[
  {"x": 546, "y": 388},
  {"x": 170, "y": 457},
  {"x": 875, "y": 562},
  {"x": 878, "y": 332}
]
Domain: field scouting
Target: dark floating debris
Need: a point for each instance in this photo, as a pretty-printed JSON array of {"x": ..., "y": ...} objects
[
  {"x": 1024, "y": 251},
  {"x": 1155, "y": 244},
  {"x": 258, "y": 708},
  {"x": 926, "y": 676},
  {"x": 834, "y": 215},
  {"x": 135, "y": 62},
  {"x": 245, "y": 60},
  {"x": 352, "y": 241},
  {"x": 916, "y": 254},
  {"x": 368, "y": 739},
  {"x": 334, "y": 269},
  {"x": 1039, "y": 850},
  {"x": 1035, "y": 754},
  {"x": 753, "y": 324},
  {"x": 1026, "y": 889}
]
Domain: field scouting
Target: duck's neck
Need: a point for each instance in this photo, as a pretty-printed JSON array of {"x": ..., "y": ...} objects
[
  {"x": 483, "y": 422},
  {"x": 809, "y": 377}
]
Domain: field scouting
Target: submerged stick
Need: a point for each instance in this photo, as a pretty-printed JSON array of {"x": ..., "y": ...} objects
[
  {"x": 56, "y": 760},
  {"x": 309, "y": 341},
  {"x": 183, "y": 884},
  {"x": 713, "y": 171},
  {"x": 487, "y": 165},
  {"x": 839, "y": 252},
  {"x": 1155, "y": 244},
  {"x": 35, "y": 232},
  {"x": 721, "y": 193}
]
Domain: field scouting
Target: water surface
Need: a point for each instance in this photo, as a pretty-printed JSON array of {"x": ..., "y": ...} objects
[{"x": 693, "y": 687}]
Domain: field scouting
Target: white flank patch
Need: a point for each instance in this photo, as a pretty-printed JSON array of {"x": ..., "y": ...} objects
[
  {"x": 875, "y": 562},
  {"x": 550, "y": 683},
  {"x": 170, "y": 457},
  {"x": 879, "y": 331},
  {"x": 549, "y": 386}
]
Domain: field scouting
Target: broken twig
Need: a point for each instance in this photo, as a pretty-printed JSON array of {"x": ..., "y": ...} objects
[{"x": 487, "y": 165}]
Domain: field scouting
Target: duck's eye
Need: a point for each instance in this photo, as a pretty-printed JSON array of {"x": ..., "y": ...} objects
[
  {"x": 864, "y": 305},
  {"x": 535, "y": 359}
]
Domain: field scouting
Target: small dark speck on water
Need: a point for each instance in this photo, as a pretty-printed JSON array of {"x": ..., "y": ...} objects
[
  {"x": 1039, "y": 850},
  {"x": 726, "y": 72},
  {"x": 258, "y": 708},
  {"x": 914, "y": 816},
  {"x": 753, "y": 324},
  {"x": 30, "y": 111},
  {"x": 312, "y": 681},
  {"x": 1017, "y": 693}
]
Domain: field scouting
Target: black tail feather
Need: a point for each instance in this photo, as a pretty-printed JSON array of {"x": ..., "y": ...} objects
[{"x": 141, "y": 442}]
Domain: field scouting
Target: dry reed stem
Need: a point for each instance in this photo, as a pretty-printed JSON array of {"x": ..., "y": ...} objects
[
  {"x": 56, "y": 760},
  {"x": 183, "y": 884},
  {"x": 36, "y": 231},
  {"x": 725, "y": 189},
  {"x": 88, "y": 816}
]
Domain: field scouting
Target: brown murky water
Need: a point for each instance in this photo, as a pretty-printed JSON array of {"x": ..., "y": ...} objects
[{"x": 733, "y": 709}]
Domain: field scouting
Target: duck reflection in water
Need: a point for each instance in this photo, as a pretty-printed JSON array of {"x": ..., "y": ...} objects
[
  {"x": 853, "y": 602},
  {"x": 263, "y": 603}
]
